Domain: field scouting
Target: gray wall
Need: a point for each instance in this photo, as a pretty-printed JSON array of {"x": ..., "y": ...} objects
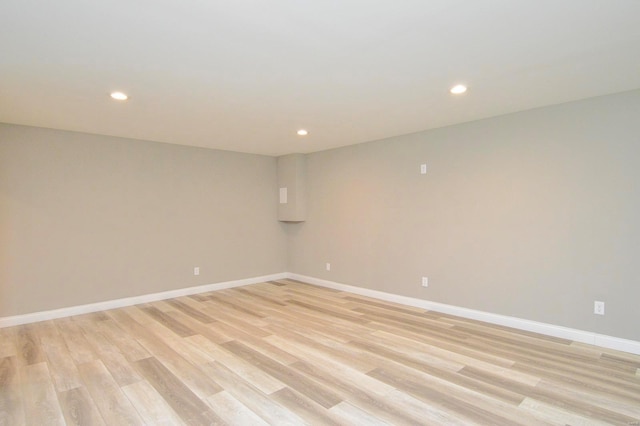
[
  {"x": 533, "y": 215},
  {"x": 87, "y": 218}
]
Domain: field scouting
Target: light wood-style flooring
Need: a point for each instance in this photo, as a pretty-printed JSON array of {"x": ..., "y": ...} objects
[{"x": 290, "y": 353}]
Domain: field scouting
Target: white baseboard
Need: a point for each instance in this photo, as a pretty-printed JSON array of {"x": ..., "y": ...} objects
[
  {"x": 130, "y": 301},
  {"x": 582, "y": 336}
]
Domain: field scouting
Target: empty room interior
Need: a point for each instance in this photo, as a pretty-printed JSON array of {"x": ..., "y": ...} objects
[{"x": 340, "y": 212}]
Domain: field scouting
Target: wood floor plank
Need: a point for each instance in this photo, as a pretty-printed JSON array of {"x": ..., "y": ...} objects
[
  {"x": 290, "y": 353},
  {"x": 350, "y": 414},
  {"x": 190, "y": 408},
  {"x": 162, "y": 350},
  {"x": 238, "y": 320},
  {"x": 113, "y": 405},
  {"x": 523, "y": 335},
  {"x": 318, "y": 393},
  {"x": 570, "y": 381},
  {"x": 233, "y": 411},
  {"x": 456, "y": 348},
  {"x": 234, "y": 328},
  {"x": 121, "y": 370},
  {"x": 198, "y": 297},
  {"x": 361, "y": 396},
  {"x": 150, "y": 405},
  {"x": 333, "y": 313},
  {"x": 135, "y": 312},
  {"x": 11, "y": 401},
  {"x": 78, "y": 408},
  {"x": 234, "y": 297},
  {"x": 547, "y": 395},
  {"x": 75, "y": 340},
  {"x": 110, "y": 355},
  {"x": 98, "y": 342},
  {"x": 367, "y": 301},
  {"x": 347, "y": 354},
  {"x": 409, "y": 350},
  {"x": 330, "y": 366},
  {"x": 28, "y": 348},
  {"x": 436, "y": 370},
  {"x": 230, "y": 307},
  {"x": 261, "y": 298},
  {"x": 553, "y": 414},
  {"x": 407, "y": 319},
  {"x": 445, "y": 351},
  {"x": 128, "y": 346},
  {"x": 555, "y": 355},
  {"x": 257, "y": 401},
  {"x": 160, "y": 305},
  {"x": 7, "y": 342},
  {"x": 427, "y": 413},
  {"x": 586, "y": 372},
  {"x": 263, "y": 346},
  {"x": 394, "y": 323},
  {"x": 63, "y": 370},
  {"x": 601, "y": 400},
  {"x": 440, "y": 358},
  {"x": 334, "y": 329},
  {"x": 41, "y": 404},
  {"x": 207, "y": 330},
  {"x": 191, "y": 311},
  {"x": 473, "y": 412},
  {"x": 305, "y": 407},
  {"x": 168, "y": 321},
  {"x": 320, "y": 300},
  {"x": 245, "y": 369},
  {"x": 617, "y": 363},
  {"x": 182, "y": 346}
]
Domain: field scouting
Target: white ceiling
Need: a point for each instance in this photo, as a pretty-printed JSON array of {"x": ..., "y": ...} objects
[{"x": 244, "y": 75}]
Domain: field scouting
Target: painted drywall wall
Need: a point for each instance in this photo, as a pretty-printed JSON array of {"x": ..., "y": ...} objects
[
  {"x": 291, "y": 179},
  {"x": 87, "y": 218},
  {"x": 533, "y": 215}
]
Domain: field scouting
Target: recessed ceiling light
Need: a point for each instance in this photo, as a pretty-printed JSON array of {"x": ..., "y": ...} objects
[
  {"x": 302, "y": 132},
  {"x": 119, "y": 96},
  {"x": 458, "y": 89}
]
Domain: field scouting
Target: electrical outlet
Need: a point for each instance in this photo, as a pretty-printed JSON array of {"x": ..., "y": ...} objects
[
  {"x": 423, "y": 169},
  {"x": 425, "y": 281},
  {"x": 328, "y": 266},
  {"x": 598, "y": 308},
  {"x": 196, "y": 270}
]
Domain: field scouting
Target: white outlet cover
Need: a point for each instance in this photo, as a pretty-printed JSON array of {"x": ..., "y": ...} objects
[
  {"x": 425, "y": 281},
  {"x": 196, "y": 270},
  {"x": 328, "y": 266},
  {"x": 423, "y": 169},
  {"x": 598, "y": 308}
]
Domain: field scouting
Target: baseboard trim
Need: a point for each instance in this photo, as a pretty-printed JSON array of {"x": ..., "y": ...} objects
[
  {"x": 130, "y": 301},
  {"x": 582, "y": 336}
]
